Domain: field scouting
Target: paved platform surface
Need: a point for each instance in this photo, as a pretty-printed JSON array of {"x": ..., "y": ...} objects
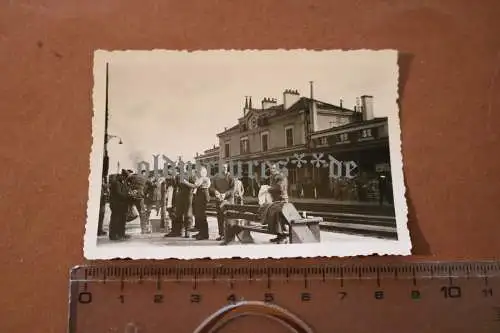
[{"x": 156, "y": 237}]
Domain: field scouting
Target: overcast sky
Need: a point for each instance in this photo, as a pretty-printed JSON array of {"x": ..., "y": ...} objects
[{"x": 174, "y": 103}]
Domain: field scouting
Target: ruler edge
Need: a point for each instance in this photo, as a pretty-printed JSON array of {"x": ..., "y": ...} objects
[{"x": 75, "y": 272}]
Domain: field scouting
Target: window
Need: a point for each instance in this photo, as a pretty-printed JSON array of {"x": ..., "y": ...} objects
[
  {"x": 244, "y": 145},
  {"x": 264, "y": 138},
  {"x": 335, "y": 122},
  {"x": 289, "y": 136},
  {"x": 366, "y": 133},
  {"x": 323, "y": 140},
  {"x": 226, "y": 150},
  {"x": 344, "y": 137}
]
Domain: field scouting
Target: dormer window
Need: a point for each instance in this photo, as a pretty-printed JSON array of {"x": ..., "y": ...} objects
[
  {"x": 366, "y": 133},
  {"x": 344, "y": 137}
]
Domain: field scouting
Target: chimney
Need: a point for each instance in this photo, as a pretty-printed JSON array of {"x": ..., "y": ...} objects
[
  {"x": 341, "y": 102},
  {"x": 367, "y": 107},
  {"x": 268, "y": 102},
  {"x": 250, "y": 102},
  {"x": 290, "y": 97},
  {"x": 313, "y": 111}
]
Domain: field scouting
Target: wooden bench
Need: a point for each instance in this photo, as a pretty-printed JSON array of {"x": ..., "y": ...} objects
[{"x": 241, "y": 220}]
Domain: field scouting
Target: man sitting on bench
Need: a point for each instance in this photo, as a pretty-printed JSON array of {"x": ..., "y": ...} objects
[{"x": 271, "y": 213}]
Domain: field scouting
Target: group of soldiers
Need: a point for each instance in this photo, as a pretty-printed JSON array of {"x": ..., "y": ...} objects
[{"x": 180, "y": 200}]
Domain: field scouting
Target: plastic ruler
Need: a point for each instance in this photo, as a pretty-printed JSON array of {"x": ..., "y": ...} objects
[{"x": 419, "y": 297}]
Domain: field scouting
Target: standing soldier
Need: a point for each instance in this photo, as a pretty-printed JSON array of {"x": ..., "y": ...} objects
[
  {"x": 222, "y": 187},
  {"x": 119, "y": 202},
  {"x": 191, "y": 179},
  {"x": 201, "y": 197},
  {"x": 183, "y": 196},
  {"x": 163, "y": 203},
  {"x": 168, "y": 199},
  {"x": 152, "y": 196}
]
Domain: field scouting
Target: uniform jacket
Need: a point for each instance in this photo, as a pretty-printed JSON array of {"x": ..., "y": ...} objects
[
  {"x": 118, "y": 196},
  {"x": 224, "y": 184}
]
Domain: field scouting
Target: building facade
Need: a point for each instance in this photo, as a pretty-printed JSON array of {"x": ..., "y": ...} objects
[{"x": 312, "y": 130}]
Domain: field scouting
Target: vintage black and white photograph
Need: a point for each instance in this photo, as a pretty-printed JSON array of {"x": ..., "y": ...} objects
[{"x": 252, "y": 154}]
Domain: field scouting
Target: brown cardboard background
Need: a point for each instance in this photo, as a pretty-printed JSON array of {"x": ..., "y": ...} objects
[{"x": 450, "y": 115}]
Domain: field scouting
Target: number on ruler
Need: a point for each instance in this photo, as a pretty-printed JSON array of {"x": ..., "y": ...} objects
[
  {"x": 379, "y": 294},
  {"x": 305, "y": 297},
  {"x": 85, "y": 297},
  {"x": 158, "y": 298},
  {"x": 122, "y": 298},
  {"x": 342, "y": 294},
  {"x": 195, "y": 298},
  {"x": 487, "y": 292},
  {"x": 451, "y": 292}
]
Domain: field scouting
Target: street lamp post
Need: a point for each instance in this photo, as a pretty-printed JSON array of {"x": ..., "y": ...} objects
[
  {"x": 105, "y": 168},
  {"x": 107, "y": 136}
]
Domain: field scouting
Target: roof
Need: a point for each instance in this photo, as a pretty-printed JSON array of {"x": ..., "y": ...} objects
[
  {"x": 350, "y": 125},
  {"x": 303, "y": 104},
  {"x": 279, "y": 110},
  {"x": 229, "y": 129}
]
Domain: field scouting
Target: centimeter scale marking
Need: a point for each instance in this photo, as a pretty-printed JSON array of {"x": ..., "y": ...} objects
[{"x": 464, "y": 292}]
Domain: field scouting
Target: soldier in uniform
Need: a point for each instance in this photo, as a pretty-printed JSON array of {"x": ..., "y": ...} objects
[
  {"x": 119, "y": 202},
  {"x": 167, "y": 199},
  {"x": 222, "y": 187},
  {"x": 152, "y": 196},
  {"x": 183, "y": 217},
  {"x": 201, "y": 187}
]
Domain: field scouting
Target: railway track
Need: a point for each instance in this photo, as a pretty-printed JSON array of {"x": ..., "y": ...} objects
[{"x": 367, "y": 220}]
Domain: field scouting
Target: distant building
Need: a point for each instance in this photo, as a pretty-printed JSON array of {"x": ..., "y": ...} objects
[
  {"x": 210, "y": 157},
  {"x": 303, "y": 125}
]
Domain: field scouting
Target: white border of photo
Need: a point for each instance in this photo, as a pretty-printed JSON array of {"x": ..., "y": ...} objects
[{"x": 401, "y": 246}]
